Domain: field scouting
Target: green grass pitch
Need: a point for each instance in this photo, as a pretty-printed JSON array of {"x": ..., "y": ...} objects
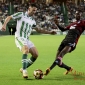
[{"x": 10, "y": 62}]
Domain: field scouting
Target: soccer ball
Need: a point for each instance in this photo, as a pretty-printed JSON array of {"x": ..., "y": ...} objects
[{"x": 38, "y": 74}]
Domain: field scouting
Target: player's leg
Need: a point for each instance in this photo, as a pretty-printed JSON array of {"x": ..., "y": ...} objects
[
  {"x": 31, "y": 60},
  {"x": 22, "y": 45},
  {"x": 59, "y": 57},
  {"x": 68, "y": 68},
  {"x": 34, "y": 53},
  {"x": 58, "y": 60},
  {"x": 69, "y": 48},
  {"x": 34, "y": 56},
  {"x": 25, "y": 51},
  {"x": 66, "y": 49},
  {"x": 53, "y": 65}
]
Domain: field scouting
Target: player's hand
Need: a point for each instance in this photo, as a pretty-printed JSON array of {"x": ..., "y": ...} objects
[
  {"x": 53, "y": 32},
  {"x": 3, "y": 29}
]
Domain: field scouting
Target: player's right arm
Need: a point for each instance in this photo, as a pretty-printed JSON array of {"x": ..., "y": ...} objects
[
  {"x": 5, "y": 23},
  {"x": 16, "y": 16}
]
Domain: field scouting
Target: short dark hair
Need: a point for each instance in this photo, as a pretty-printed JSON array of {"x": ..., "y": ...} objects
[{"x": 33, "y": 5}]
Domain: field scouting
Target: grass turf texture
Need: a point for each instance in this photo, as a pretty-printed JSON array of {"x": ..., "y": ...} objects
[{"x": 10, "y": 62}]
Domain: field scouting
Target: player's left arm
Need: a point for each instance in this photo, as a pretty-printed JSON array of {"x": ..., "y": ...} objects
[{"x": 42, "y": 30}]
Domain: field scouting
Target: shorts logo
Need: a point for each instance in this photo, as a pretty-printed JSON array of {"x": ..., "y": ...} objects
[{"x": 73, "y": 45}]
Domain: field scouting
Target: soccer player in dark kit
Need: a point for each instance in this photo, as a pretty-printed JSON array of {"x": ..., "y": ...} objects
[{"x": 69, "y": 43}]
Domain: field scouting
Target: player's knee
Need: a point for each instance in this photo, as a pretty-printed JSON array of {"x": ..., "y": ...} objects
[
  {"x": 35, "y": 55},
  {"x": 25, "y": 50}
]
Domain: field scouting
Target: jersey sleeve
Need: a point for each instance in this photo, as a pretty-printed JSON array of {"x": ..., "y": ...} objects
[
  {"x": 17, "y": 15},
  {"x": 71, "y": 26},
  {"x": 68, "y": 27},
  {"x": 61, "y": 28}
]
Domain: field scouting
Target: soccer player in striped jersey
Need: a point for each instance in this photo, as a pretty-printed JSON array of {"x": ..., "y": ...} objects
[
  {"x": 69, "y": 43},
  {"x": 25, "y": 23}
]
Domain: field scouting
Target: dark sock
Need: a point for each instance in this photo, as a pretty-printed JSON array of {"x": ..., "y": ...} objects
[
  {"x": 64, "y": 66},
  {"x": 24, "y": 61},
  {"x": 56, "y": 62},
  {"x": 30, "y": 61},
  {"x": 53, "y": 65}
]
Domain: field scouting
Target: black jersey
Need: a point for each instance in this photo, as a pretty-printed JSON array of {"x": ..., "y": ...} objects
[
  {"x": 72, "y": 35},
  {"x": 74, "y": 31}
]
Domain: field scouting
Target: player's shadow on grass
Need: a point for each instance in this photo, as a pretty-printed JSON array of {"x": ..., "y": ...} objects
[
  {"x": 29, "y": 79},
  {"x": 66, "y": 77},
  {"x": 59, "y": 78}
]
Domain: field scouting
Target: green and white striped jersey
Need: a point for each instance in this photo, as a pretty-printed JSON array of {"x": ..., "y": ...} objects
[{"x": 24, "y": 24}]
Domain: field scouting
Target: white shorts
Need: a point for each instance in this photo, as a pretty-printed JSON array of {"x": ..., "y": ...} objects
[{"x": 19, "y": 41}]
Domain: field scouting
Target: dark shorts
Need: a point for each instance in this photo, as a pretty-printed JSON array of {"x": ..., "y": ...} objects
[{"x": 66, "y": 43}]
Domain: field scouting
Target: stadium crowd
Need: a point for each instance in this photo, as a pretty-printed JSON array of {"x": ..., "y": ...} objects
[{"x": 46, "y": 12}]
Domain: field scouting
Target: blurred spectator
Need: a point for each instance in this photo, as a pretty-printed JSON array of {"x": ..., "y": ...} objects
[{"x": 46, "y": 12}]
